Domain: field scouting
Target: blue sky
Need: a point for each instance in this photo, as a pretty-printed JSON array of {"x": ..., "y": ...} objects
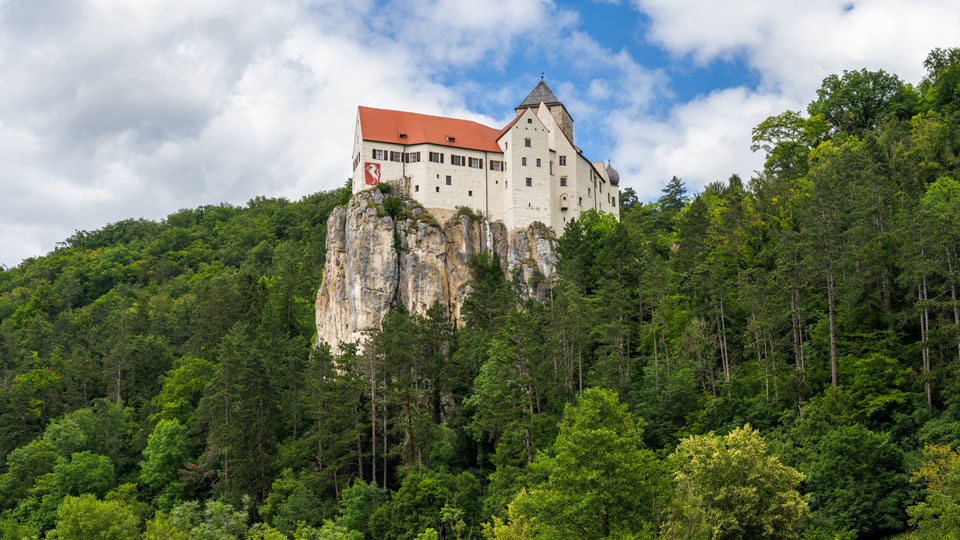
[{"x": 112, "y": 109}]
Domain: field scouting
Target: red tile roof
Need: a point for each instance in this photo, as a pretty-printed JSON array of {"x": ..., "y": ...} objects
[{"x": 384, "y": 125}]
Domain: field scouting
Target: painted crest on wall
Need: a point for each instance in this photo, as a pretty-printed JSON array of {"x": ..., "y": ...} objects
[{"x": 371, "y": 173}]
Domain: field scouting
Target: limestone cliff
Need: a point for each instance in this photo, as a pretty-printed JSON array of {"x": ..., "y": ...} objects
[{"x": 376, "y": 260}]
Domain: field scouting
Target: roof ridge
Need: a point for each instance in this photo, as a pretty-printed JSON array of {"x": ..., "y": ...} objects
[
  {"x": 427, "y": 115},
  {"x": 541, "y": 93}
]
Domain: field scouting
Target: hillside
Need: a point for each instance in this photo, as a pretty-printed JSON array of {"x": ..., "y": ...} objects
[{"x": 771, "y": 358}]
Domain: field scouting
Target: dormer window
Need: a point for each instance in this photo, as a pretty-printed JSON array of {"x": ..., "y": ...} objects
[
  {"x": 403, "y": 135},
  {"x": 451, "y": 139}
]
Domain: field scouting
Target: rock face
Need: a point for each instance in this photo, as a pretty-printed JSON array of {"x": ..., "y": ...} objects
[{"x": 375, "y": 262}]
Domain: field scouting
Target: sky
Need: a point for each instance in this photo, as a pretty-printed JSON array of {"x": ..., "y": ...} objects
[{"x": 116, "y": 109}]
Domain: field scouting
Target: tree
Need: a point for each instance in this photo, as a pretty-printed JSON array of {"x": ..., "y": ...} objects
[
  {"x": 938, "y": 515},
  {"x": 165, "y": 454},
  {"x": 942, "y": 81},
  {"x": 419, "y": 505},
  {"x": 859, "y": 481},
  {"x": 857, "y": 100},
  {"x": 358, "y": 503},
  {"x": 88, "y": 518},
  {"x": 600, "y": 482},
  {"x": 628, "y": 198},
  {"x": 734, "y": 487},
  {"x": 673, "y": 199}
]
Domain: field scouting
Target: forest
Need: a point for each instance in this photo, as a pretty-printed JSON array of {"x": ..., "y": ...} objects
[{"x": 775, "y": 358}]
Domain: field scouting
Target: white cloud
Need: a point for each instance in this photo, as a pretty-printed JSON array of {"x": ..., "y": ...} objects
[
  {"x": 113, "y": 109},
  {"x": 792, "y": 45},
  {"x": 795, "y": 43},
  {"x": 701, "y": 141}
]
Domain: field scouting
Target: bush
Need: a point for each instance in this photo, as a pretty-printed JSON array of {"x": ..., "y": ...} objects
[{"x": 392, "y": 205}]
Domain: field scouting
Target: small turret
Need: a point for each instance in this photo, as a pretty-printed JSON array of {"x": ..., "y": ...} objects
[{"x": 613, "y": 175}]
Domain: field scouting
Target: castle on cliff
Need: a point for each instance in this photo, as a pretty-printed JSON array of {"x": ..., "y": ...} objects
[{"x": 528, "y": 171}]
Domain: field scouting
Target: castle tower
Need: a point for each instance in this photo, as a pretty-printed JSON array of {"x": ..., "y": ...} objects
[{"x": 542, "y": 94}]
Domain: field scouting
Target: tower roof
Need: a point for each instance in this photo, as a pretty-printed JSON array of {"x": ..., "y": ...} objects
[
  {"x": 540, "y": 94},
  {"x": 613, "y": 175}
]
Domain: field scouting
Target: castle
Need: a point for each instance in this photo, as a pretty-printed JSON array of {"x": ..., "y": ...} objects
[{"x": 529, "y": 171}]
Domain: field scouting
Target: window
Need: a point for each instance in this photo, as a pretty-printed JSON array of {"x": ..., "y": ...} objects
[
  {"x": 551, "y": 167},
  {"x": 436, "y": 157},
  {"x": 438, "y": 189},
  {"x": 538, "y": 162},
  {"x": 614, "y": 201},
  {"x": 416, "y": 187},
  {"x": 523, "y": 161},
  {"x": 563, "y": 180},
  {"x": 378, "y": 154},
  {"x": 588, "y": 192},
  {"x": 449, "y": 180},
  {"x": 412, "y": 157},
  {"x": 506, "y": 145},
  {"x": 457, "y": 160},
  {"x": 529, "y": 182},
  {"x": 529, "y": 120},
  {"x": 396, "y": 156},
  {"x": 470, "y": 193},
  {"x": 579, "y": 200},
  {"x": 563, "y": 161},
  {"x": 476, "y": 163},
  {"x": 496, "y": 165},
  {"x": 451, "y": 139},
  {"x": 403, "y": 135},
  {"x": 526, "y": 142}
]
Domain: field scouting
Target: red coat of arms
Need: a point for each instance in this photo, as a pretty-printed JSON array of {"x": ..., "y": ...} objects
[{"x": 371, "y": 173}]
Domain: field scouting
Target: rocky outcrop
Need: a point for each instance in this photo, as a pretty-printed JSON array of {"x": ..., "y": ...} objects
[{"x": 377, "y": 259}]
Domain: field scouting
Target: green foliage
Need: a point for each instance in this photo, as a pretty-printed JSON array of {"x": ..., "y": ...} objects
[
  {"x": 392, "y": 205},
  {"x": 291, "y": 502},
  {"x": 601, "y": 482},
  {"x": 729, "y": 487},
  {"x": 817, "y": 301},
  {"x": 879, "y": 384},
  {"x": 358, "y": 504},
  {"x": 938, "y": 515},
  {"x": 329, "y": 531},
  {"x": 182, "y": 388},
  {"x": 419, "y": 505},
  {"x": 859, "y": 481},
  {"x": 165, "y": 454},
  {"x": 24, "y": 466},
  {"x": 857, "y": 100},
  {"x": 87, "y": 518},
  {"x": 85, "y": 473},
  {"x": 10, "y": 529}
]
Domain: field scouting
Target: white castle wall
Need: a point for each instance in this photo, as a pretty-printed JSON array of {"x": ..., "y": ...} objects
[{"x": 500, "y": 195}]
